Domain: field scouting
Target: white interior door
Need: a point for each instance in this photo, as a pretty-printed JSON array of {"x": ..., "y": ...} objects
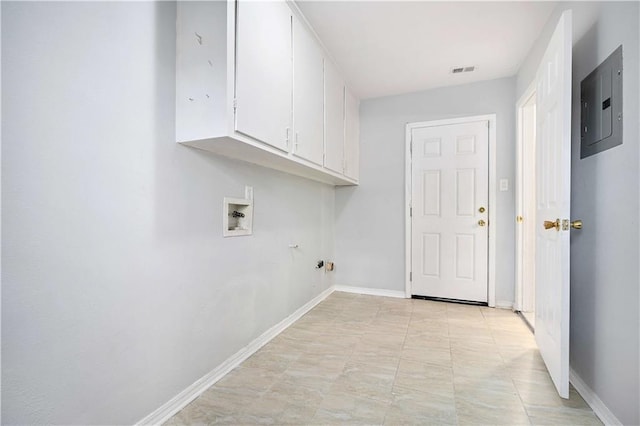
[
  {"x": 449, "y": 221},
  {"x": 553, "y": 176}
]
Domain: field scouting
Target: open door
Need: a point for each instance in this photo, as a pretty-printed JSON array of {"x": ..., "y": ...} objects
[{"x": 553, "y": 177}]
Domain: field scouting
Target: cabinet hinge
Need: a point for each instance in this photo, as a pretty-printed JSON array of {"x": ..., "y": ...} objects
[
  {"x": 235, "y": 103},
  {"x": 410, "y": 276}
]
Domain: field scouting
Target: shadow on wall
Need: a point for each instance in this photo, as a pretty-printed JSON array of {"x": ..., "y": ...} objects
[{"x": 583, "y": 187}]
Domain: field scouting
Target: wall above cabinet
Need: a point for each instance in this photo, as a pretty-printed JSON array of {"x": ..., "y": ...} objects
[{"x": 252, "y": 85}]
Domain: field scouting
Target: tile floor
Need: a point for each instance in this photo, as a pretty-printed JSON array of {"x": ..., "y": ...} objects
[{"x": 358, "y": 359}]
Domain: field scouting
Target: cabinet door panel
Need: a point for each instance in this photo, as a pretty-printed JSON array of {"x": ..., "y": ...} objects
[
  {"x": 352, "y": 136},
  {"x": 334, "y": 119},
  {"x": 308, "y": 102},
  {"x": 264, "y": 71}
]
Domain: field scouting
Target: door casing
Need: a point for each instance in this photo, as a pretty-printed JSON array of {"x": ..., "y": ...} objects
[
  {"x": 522, "y": 194},
  {"x": 491, "y": 118}
]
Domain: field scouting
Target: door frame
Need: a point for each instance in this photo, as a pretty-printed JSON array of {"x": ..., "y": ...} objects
[
  {"x": 491, "y": 270},
  {"x": 529, "y": 93}
]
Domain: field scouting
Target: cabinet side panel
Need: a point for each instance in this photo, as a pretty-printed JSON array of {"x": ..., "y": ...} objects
[
  {"x": 201, "y": 70},
  {"x": 352, "y": 136}
]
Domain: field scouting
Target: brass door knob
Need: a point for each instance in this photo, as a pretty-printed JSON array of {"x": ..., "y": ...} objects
[
  {"x": 549, "y": 225},
  {"x": 481, "y": 222},
  {"x": 576, "y": 224}
]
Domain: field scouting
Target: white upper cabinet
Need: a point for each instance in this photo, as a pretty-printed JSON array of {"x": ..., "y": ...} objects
[
  {"x": 352, "y": 136},
  {"x": 308, "y": 102},
  {"x": 263, "y": 72},
  {"x": 251, "y": 85},
  {"x": 334, "y": 118}
]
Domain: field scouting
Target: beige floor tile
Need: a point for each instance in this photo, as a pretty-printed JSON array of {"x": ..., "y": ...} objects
[
  {"x": 374, "y": 358},
  {"x": 427, "y": 341},
  {"x": 478, "y": 415},
  {"x": 357, "y": 359},
  {"x": 466, "y": 384},
  {"x": 322, "y": 365},
  {"x": 421, "y": 408},
  {"x": 273, "y": 361},
  {"x": 545, "y": 395},
  {"x": 373, "y": 382},
  {"x": 249, "y": 378},
  {"x": 436, "y": 356},
  {"x": 562, "y": 416},
  {"x": 340, "y": 407}
]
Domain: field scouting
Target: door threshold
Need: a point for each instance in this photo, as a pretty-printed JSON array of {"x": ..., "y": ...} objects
[{"x": 444, "y": 299}]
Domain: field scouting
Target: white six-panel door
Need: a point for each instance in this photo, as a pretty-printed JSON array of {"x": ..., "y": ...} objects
[
  {"x": 449, "y": 222},
  {"x": 553, "y": 178}
]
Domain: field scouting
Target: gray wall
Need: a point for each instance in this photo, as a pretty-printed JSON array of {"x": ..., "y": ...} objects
[
  {"x": 118, "y": 290},
  {"x": 605, "y": 326},
  {"x": 370, "y": 247}
]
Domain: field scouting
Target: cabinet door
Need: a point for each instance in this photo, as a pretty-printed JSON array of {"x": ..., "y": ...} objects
[
  {"x": 352, "y": 136},
  {"x": 264, "y": 71},
  {"x": 308, "y": 96},
  {"x": 334, "y": 118}
]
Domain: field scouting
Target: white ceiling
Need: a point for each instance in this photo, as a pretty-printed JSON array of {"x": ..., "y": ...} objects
[{"x": 392, "y": 47}]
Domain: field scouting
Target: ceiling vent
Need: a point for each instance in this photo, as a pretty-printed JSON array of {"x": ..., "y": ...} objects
[{"x": 460, "y": 70}]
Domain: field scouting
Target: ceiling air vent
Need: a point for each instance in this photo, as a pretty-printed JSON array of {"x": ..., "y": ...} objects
[{"x": 460, "y": 70}]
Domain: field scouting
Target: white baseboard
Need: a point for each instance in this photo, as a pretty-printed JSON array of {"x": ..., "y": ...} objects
[
  {"x": 590, "y": 397},
  {"x": 371, "y": 291},
  {"x": 504, "y": 304},
  {"x": 177, "y": 403}
]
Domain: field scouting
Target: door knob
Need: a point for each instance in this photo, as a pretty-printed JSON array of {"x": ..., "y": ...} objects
[
  {"x": 548, "y": 224},
  {"x": 576, "y": 224},
  {"x": 481, "y": 222}
]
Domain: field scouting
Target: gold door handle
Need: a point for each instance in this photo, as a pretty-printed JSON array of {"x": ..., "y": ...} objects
[
  {"x": 576, "y": 224},
  {"x": 548, "y": 224},
  {"x": 481, "y": 222}
]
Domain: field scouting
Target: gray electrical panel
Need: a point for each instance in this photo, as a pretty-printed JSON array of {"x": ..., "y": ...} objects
[{"x": 601, "y": 106}]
